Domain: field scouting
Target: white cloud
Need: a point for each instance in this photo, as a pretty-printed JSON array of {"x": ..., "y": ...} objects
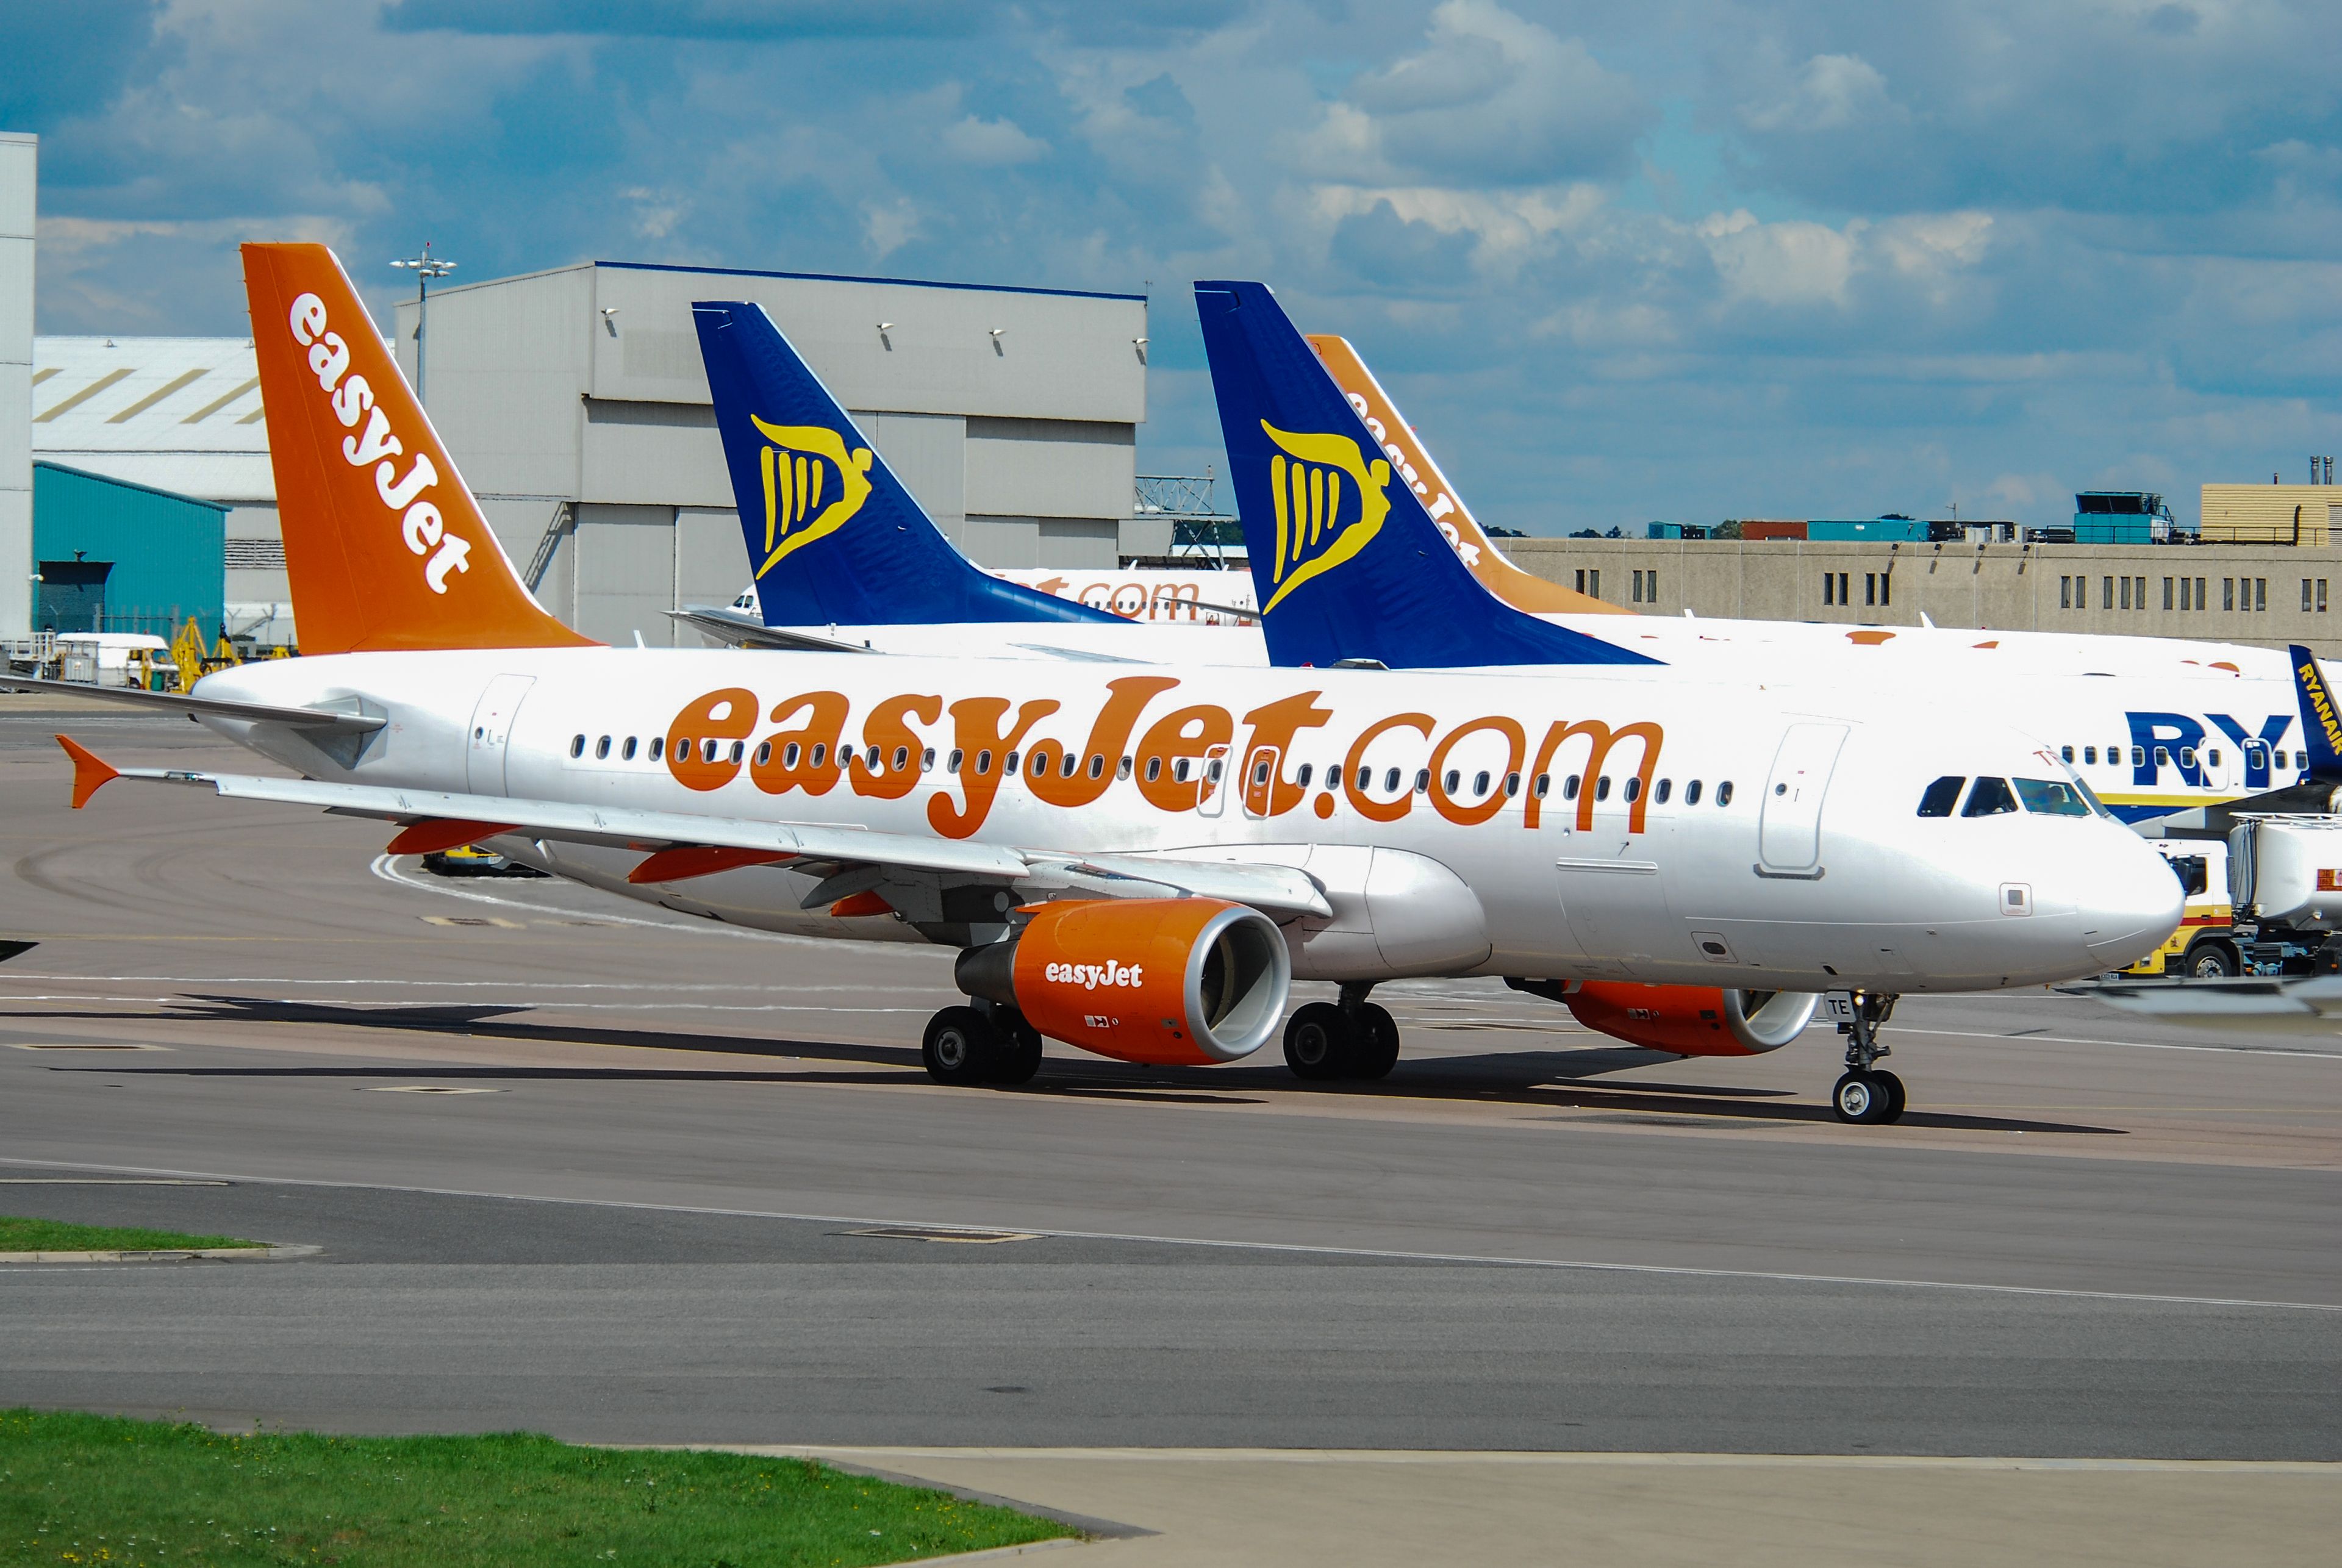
[
  {"x": 1832, "y": 92},
  {"x": 975, "y": 140},
  {"x": 1781, "y": 264},
  {"x": 889, "y": 226},
  {"x": 1491, "y": 99}
]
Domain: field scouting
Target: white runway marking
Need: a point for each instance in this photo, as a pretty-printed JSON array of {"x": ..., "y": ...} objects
[{"x": 1298, "y": 1249}]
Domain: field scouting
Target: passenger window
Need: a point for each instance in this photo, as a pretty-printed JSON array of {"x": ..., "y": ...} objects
[
  {"x": 1480, "y": 784},
  {"x": 1990, "y": 797},
  {"x": 951, "y": 763},
  {"x": 629, "y": 753},
  {"x": 658, "y": 747},
  {"x": 2186, "y": 756},
  {"x": 577, "y": 745},
  {"x": 1602, "y": 787},
  {"x": 763, "y": 752},
  {"x": 2090, "y": 755},
  {"x": 2163, "y": 756},
  {"x": 820, "y": 753},
  {"x": 1302, "y": 777},
  {"x": 1390, "y": 779},
  {"x": 1122, "y": 769},
  {"x": 789, "y": 755},
  {"x": 1422, "y": 780},
  {"x": 602, "y": 749},
  {"x": 1512, "y": 785},
  {"x": 738, "y": 748},
  {"x": 709, "y": 748},
  {"x": 928, "y": 760},
  {"x": 902, "y": 758},
  {"x": 1569, "y": 787},
  {"x": 982, "y": 763},
  {"x": 1544, "y": 786},
  {"x": 1179, "y": 771},
  {"x": 2138, "y": 756},
  {"x": 1634, "y": 789},
  {"x": 1153, "y": 769},
  {"x": 1691, "y": 793},
  {"x": 2213, "y": 759},
  {"x": 2067, "y": 754},
  {"x": 1665, "y": 785},
  {"x": 1723, "y": 792},
  {"x": 1448, "y": 784},
  {"x": 1942, "y": 795}
]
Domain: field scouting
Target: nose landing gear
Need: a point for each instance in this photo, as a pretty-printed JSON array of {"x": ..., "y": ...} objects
[
  {"x": 1865, "y": 1095},
  {"x": 1353, "y": 1038}
]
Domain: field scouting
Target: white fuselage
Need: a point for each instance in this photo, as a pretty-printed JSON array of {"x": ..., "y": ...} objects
[{"x": 1492, "y": 833}]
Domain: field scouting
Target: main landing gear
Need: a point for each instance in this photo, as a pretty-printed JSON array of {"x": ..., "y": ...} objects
[
  {"x": 984, "y": 1044},
  {"x": 1352, "y": 1038},
  {"x": 1867, "y": 1095}
]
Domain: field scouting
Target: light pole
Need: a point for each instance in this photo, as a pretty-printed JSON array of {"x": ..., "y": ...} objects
[{"x": 425, "y": 267}]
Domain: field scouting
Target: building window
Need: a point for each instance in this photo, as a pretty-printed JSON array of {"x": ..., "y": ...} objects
[
  {"x": 1646, "y": 587},
  {"x": 2139, "y": 593},
  {"x": 2126, "y": 593},
  {"x": 2260, "y": 594},
  {"x": 1875, "y": 588},
  {"x": 1834, "y": 589},
  {"x": 2228, "y": 592},
  {"x": 2065, "y": 593},
  {"x": 2201, "y": 603},
  {"x": 2321, "y": 595},
  {"x": 2166, "y": 593},
  {"x": 1590, "y": 583}
]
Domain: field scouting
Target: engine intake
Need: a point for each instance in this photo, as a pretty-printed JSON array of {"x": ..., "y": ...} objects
[
  {"x": 1686, "y": 1020},
  {"x": 1166, "y": 981}
]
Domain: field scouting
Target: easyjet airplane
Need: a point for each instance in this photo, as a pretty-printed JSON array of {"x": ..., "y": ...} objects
[{"x": 1140, "y": 860}]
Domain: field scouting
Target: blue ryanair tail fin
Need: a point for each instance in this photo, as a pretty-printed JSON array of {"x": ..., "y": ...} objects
[
  {"x": 834, "y": 539},
  {"x": 1346, "y": 563},
  {"x": 2321, "y": 721}
]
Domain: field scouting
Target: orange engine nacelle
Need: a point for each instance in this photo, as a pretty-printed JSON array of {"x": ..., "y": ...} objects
[
  {"x": 1692, "y": 1020},
  {"x": 1167, "y": 982}
]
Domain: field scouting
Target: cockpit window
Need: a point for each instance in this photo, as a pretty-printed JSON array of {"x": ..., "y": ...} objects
[
  {"x": 1942, "y": 795},
  {"x": 2051, "y": 797},
  {"x": 1991, "y": 797},
  {"x": 2091, "y": 795}
]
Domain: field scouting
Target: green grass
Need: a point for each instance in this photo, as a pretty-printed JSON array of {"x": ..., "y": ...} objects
[
  {"x": 80, "y": 1490},
  {"x": 21, "y": 1235}
]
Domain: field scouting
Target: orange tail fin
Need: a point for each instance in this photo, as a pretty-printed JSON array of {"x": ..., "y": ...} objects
[
  {"x": 384, "y": 543},
  {"x": 1521, "y": 590}
]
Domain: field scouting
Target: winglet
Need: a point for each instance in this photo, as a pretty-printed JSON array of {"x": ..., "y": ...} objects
[
  {"x": 91, "y": 771},
  {"x": 2321, "y": 724}
]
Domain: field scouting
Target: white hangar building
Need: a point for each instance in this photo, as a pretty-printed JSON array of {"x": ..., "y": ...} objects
[{"x": 576, "y": 406}]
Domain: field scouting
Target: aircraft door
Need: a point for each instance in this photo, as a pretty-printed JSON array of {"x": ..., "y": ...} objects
[
  {"x": 492, "y": 726},
  {"x": 1789, "y": 823},
  {"x": 1212, "y": 798}
]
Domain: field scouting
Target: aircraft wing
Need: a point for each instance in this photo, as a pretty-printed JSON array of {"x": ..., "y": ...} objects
[
  {"x": 2291, "y": 1004},
  {"x": 727, "y": 842}
]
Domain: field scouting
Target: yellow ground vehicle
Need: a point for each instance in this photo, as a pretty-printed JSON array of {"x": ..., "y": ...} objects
[{"x": 2205, "y": 945}]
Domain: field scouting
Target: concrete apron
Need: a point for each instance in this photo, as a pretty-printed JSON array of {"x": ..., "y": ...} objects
[{"x": 1367, "y": 1508}]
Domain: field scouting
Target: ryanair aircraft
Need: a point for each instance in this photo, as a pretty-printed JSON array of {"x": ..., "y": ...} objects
[{"x": 1140, "y": 859}]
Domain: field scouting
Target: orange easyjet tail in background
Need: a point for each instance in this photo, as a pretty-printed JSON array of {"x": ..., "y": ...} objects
[
  {"x": 385, "y": 545},
  {"x": 1521, "y": 590}
]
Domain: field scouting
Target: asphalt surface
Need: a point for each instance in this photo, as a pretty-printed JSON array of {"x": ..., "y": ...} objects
[{"x": 2089, "y": 1238}]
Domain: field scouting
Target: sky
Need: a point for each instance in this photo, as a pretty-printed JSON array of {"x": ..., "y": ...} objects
[{"x": 1671, "y": 259}]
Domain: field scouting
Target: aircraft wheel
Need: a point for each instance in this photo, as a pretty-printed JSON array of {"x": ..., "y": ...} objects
[
  {"x": 1896, "y": 1098},
  {"x": 1318, "y": 1042},
  {"x": 959, "y": 1047},
  {"x": 1018, "y": 1056},
  {"x": 1861, "y": 1098},
  {"x": 1377, "y": 1046}
]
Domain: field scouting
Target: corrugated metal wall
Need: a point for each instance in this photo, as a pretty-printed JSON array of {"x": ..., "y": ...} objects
[{"x": 168, "y": 551}]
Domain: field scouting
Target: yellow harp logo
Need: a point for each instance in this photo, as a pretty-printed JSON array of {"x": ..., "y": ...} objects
[
  {"x": 796, "y": 464},
  {"x": 1307, "y": 481}
]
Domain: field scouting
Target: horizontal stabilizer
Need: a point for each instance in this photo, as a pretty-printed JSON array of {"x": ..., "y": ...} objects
[{"x": 218, "y": 707}]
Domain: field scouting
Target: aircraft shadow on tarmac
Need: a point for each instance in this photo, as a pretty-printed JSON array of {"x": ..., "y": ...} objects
[{"x": 1557, "y": 1080}]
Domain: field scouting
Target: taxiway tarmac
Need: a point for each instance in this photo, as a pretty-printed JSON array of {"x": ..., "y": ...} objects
[{"x": 2089, "y": 1237}]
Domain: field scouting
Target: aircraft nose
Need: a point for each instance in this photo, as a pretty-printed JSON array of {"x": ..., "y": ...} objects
[{"x": 2129, "y": 904}]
